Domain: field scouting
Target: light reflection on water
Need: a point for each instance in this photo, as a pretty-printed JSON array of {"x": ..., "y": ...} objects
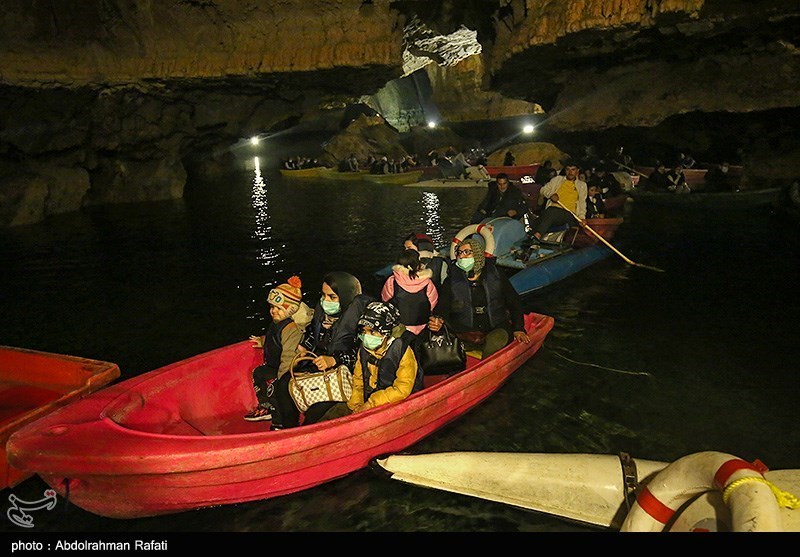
[{"x": 701, "y": 357}]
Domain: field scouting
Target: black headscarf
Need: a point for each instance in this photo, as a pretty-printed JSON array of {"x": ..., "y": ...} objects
[{"x": 345, "y": 285}]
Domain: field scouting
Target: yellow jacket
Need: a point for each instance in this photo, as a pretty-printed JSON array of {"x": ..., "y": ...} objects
[{"x": 397, "y": 391}]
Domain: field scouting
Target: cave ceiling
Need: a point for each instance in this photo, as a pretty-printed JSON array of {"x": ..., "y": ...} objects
[{"x": 105, "y": 84}]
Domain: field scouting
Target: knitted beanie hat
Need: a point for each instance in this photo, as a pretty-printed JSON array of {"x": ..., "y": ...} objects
[
  {"x": 477, "y": 252},
  {"x": 287, "y": 295}
]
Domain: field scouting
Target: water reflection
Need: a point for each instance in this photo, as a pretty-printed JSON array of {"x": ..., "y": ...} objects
[
  {"x": 267, "y": 251},
  {"x": 430, "y": 208}
]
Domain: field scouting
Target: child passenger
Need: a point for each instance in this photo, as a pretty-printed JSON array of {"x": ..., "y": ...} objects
[
  {"x": 411, "y": 289},
  {"x": 386, "y": 368},
  {"x": 595, "y": 205},
  {"x": 290, "y": 316}
]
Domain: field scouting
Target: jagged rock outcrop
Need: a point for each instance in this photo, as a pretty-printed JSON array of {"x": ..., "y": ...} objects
[
  {"x": 530, "y": 153},
  {"x": 365, "y": 136},
  {"x": 459, "y": 93}
]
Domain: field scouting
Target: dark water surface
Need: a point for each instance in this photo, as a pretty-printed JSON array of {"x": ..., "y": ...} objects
[{"x": 701, "y": 357}]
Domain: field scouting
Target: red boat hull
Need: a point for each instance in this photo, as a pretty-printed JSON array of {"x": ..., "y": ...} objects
[
  {"x": 514, "y": 172},
  {"x": 174, "y": 439},
  {"x": 34, "y": 383}
]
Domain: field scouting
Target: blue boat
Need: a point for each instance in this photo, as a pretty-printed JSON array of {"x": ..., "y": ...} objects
[
  {"x": 539, "y": 265},
  {"x": 556, "y": 266}
]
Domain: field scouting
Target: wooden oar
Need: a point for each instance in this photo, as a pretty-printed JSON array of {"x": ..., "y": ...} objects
[
  {"x": 631, "y": 169},
  {"x": 606, "y": 242}
]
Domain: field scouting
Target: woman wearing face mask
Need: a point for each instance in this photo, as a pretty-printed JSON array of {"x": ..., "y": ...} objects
[
  {"x": 386, "y": 369},
  {"x": 331, "y": 335},
  {"x": 478, "y": 302}
]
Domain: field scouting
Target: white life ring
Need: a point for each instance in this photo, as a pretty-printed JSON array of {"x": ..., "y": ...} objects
[
  {"x": 753, "y": 506},
  {"x": 485, "y": 230}
]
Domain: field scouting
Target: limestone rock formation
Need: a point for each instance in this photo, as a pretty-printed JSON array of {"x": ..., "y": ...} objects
[
  {"x": 535, "y": 152},
  {"x": 365, "y": 136}
]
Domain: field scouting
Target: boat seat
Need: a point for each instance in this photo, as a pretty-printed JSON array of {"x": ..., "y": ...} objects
[{"x": 556, "y": 234}]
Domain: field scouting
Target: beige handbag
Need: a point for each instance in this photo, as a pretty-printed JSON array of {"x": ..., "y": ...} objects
[{"x": 331, "y": 385}]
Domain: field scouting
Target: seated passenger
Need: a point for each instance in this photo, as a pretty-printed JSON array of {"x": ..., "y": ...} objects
[
  {"x": 677, "y": 180},
  {"x": 595, "y": 205},
  {"x": 565, "y": 190},
  {"x": 478, "y": 303},
  {"x": 608, "y": 184},
  {"x": 290, "y": 316},
  {"x": 658, "y": 181},
  {"x": 503, "y": 199},
  {"x": 386, "y": 368},
  {"x": 545, "y": 173},
  {"x": 429, "y": 256},
  {"x": 331, "y": 336},
  {"x": 718, "y": 180},
  {"x": 410, "y": 289}
]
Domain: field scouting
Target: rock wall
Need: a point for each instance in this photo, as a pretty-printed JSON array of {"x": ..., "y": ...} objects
[
  {"x": 83, "y": 42},
  {"x": 120, "y": 95}
]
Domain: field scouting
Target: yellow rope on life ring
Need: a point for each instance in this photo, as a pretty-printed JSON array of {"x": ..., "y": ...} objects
[{"x": 785, "y": 499}]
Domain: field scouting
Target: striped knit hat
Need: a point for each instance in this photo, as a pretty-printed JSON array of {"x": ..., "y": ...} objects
[{"x": 287, "y": 295}]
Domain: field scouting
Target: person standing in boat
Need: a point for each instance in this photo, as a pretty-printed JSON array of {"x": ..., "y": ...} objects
[
  {"x": 479, "y": 303},
  {"x": 331, "y": 336},
  {"x": 567, "y": 190},
  {"x": 503, "y": 199},
  {"x": 509, "y": 159},
  {"x": 410, "y": 289},
  {"x": 290, "y": 316}
]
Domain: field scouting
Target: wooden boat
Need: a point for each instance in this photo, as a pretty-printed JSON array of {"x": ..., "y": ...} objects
[
  {"x": 597, "y": 490},
  {"x": 174, "y": 439},
  {"x": 33, "y": 384},
  {"x": 514, "y": 172},
  {"x": 743, "y": 199},
  {"x": 304, "y": 173},
  {"x": 695, "y": 177},
  {"x": 339, "y": 176},
  {"x": 399, "y": 178},
  {"x": 448, "y": 183}
]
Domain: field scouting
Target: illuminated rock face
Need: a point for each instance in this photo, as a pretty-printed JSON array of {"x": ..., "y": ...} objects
[{"x": 97, "y": 96}]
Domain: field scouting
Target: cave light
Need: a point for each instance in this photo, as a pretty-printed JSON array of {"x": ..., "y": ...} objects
[
  {"x": 527, "y": 129},
  {"x": 431, "y": 124},
  {"x": 254, "y": 140}
]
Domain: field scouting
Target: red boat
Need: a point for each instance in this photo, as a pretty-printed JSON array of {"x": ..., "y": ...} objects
[
  {"x": 34, "y": 383},
  {"x": 514, "y": 172},
  {"x": 175, "y": 439}
]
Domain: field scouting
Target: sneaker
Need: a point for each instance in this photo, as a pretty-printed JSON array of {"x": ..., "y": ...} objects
[{"x": 258, "y": 415}]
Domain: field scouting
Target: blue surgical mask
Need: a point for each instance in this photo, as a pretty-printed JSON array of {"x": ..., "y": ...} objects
[
  {"x": 465, "y": 263},
  {"x": 370, "y": 342},
  {"x": 331, "y": 308}
]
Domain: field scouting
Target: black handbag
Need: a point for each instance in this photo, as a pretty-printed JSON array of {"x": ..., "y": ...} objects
[{"x": 440, "y": 353}]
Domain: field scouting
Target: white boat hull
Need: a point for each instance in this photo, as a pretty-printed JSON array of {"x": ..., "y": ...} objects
[{"x": 585, "y": 488}]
